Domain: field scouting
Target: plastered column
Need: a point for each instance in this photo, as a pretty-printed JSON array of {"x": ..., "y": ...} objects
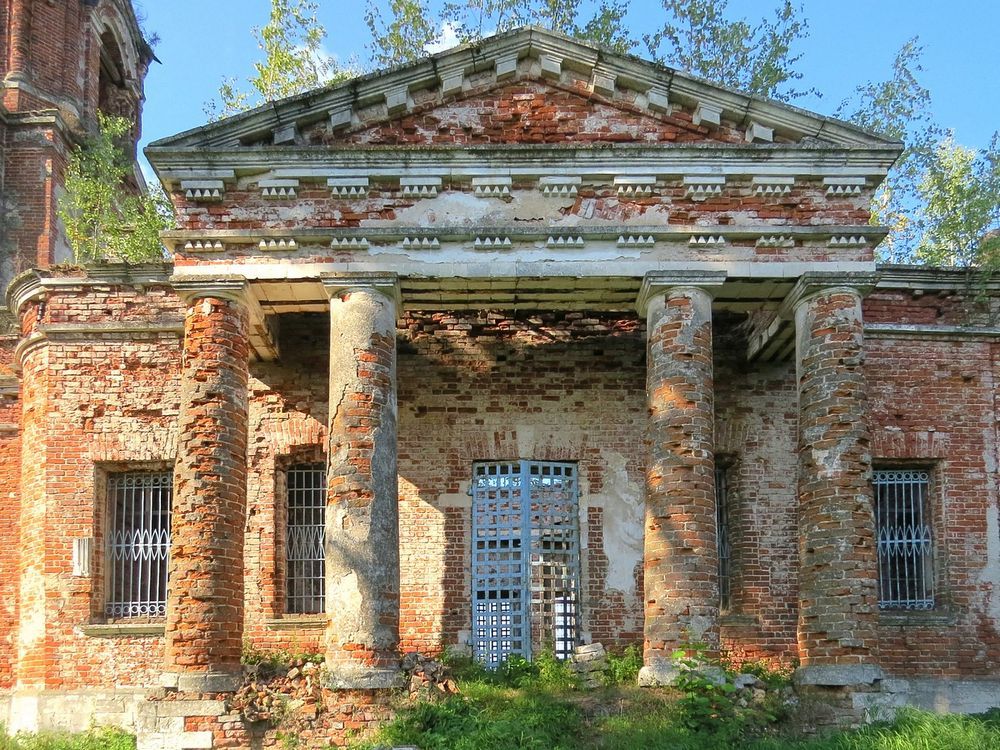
[
  {"x": 204, "y": 629},
  {"x": 680, "y": 553},
  {"x": 362, "y": 519},
  {"x": 838, "y": 604}
]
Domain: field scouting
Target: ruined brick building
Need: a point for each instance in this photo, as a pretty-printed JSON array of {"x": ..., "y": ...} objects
[{"x": 526, "y": 345}]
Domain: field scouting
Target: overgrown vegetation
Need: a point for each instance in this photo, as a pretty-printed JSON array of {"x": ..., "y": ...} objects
[
  {"x": 105, "y": 218},
  {"x": 539, "y": 705},
  {"x": 276, "y": 659},
  {"x": 104, "y": 738}
]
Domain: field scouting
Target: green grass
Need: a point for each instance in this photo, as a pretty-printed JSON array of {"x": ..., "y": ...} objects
[
  {"x": 96, "y": 739},
  {"x": 521, "y": 711}
]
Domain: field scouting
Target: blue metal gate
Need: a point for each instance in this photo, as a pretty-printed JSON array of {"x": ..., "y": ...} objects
[{"x": 525, "y": 559}]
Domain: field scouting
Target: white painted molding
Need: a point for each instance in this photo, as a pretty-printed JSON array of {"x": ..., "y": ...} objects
[
  {"x": 348, "y": 187},
  {"x": 203, "y": 246},
  {"x": 854, "y": 240},
  {"x": 506, "y": 66},
  {"x": 491, "y": 187},
  {"x": 844, "y": 185},
  {"x": 658, "y": 100},
  {"x": 551, "y": 66},
  {"x": 701, "y": 187},
  {"x": 203, "y": 191},
  {"x": 284, "y": 188},
  {"x": 636, "y": 240},
  {"x": 83, "y": 554},
  {"x": 349, "y": 243},
  {"x": 707, "y": 239},
  {"x": 491, "y": 242},
  {"x": 420, "y": 187},
  {"x": 707, "y": 114},
  {"x": 561, "y": 187},
  {"x": 776, "y": 240},
  {"x": 273, "y": 245},
  {"x": 757, "y": 133},
  {"x": 772, "y": 185},
  {"x": 635, "y": 186},
  {"x": 604, "y": 84},
  {"x": 564, "y": 241},
  {"x": 341, "y": 118},
  {"x": 427, "y": 243}
]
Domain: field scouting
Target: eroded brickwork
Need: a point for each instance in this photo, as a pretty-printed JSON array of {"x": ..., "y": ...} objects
[
  {"x": 838, "y": 609},
  {"x": 204, "y": 625},
  {"x": 681, "y": 557}
]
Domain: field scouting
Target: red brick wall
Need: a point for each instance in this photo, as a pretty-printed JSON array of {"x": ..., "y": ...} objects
[
  {"x": 934, "y": 405},
  {"x": 756, "y": 420},
  {"x": 10, "y": 521}
]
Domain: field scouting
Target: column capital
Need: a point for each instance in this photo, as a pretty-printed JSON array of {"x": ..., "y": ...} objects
[
  {"x": 385, "y": 283},
  {"x": 231, "y": 287},
  {"x": 655, "y": 283},
  {"x": 811, "y": 284}
]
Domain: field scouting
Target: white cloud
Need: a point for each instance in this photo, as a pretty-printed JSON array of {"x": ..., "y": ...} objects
[{"x": 447, "y": 39}]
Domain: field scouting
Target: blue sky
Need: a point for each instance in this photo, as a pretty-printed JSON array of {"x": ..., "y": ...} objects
[{"x": 851, "y": 41}]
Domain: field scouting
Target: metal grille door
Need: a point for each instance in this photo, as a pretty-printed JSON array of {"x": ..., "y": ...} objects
[
  {"x": 138, "y": 543},
  {"x": 305, "y": 556},
  {"x": 525, "y": 559}
]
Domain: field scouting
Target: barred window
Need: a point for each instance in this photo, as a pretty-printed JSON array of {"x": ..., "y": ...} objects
[
  {"x": 722, "y": 535},
  {"x": 138, "y": 543},
  {"x": 305, "y": 580},
  {"x": 905, "y": 545}
]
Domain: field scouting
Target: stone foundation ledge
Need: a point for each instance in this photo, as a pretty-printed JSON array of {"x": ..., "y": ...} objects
[{"x": 71, "y": 710}]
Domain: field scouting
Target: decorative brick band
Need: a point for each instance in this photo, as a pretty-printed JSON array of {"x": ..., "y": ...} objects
[
  {"x": 362, "y": 564},
  {"x": 680, "y": 557},
  {"x": 838, "y": 606},
  {"x": 205, "y": 600}
]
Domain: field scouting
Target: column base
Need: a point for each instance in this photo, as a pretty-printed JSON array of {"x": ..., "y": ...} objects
[
  {"x": 363, "y": 679},
  {"x": 837, "y": 675},
  {"x": 227, "y": 681},
  {"x": 658, "y": 673}
]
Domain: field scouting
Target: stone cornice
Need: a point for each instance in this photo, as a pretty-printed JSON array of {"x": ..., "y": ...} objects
[
  {"x": 931, "y": 278},
  {"x": 35, "y": 283},
  {"x": 386, "y": 283},
  {"x": 361, "y": 238},
  {"x": 660, "y": 282},
  {"x": 228, "y": 287},
  {"x": 461, "y": 165},
  {"x": 657, "y": 87},
  {"x": 948, "y": 333},
  {"x": 815, "y": 283}
]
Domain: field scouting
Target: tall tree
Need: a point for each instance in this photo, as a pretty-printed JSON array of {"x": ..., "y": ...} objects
[
  {"x": 698, "y": 37},
  {"x": 408, "y": 27},
  {"x": 961, "y": 197},
  {"x": 294, "y": 60},
  {"x": 899, "y": 108},
  {"x": 407, "y": 34}
]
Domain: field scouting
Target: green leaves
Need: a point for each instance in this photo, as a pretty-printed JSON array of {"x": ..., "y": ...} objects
[
  {"x": 697, "y": 37},
  {"x": 294, "y": 60},
  {"x": 104, "y": 219},
  {"x": 961, "y": 194}
]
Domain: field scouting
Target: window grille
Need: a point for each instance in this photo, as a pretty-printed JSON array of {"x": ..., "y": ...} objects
[
  {"x": 525, "y": 559},
  {"x": 138, "y": 543},
  {"x": 305, "y": 556},
  {"x": 905, "y": 546},
  {"x": 722, "y": 536}
]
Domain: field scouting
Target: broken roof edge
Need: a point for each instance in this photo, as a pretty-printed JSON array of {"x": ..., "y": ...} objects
[{"x": 580, "y": 54}]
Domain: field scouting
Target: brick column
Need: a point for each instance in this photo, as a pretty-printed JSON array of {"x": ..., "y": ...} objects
[
  {"x": 838, "y": 604},
  {"x": 680, "y": 555},
  {"x": 204, "y": 630},
  {"x": 362, "y": 520}
]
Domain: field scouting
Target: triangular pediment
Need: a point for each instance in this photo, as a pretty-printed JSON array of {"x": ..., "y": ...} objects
[{"x": 526, "y": 86}]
